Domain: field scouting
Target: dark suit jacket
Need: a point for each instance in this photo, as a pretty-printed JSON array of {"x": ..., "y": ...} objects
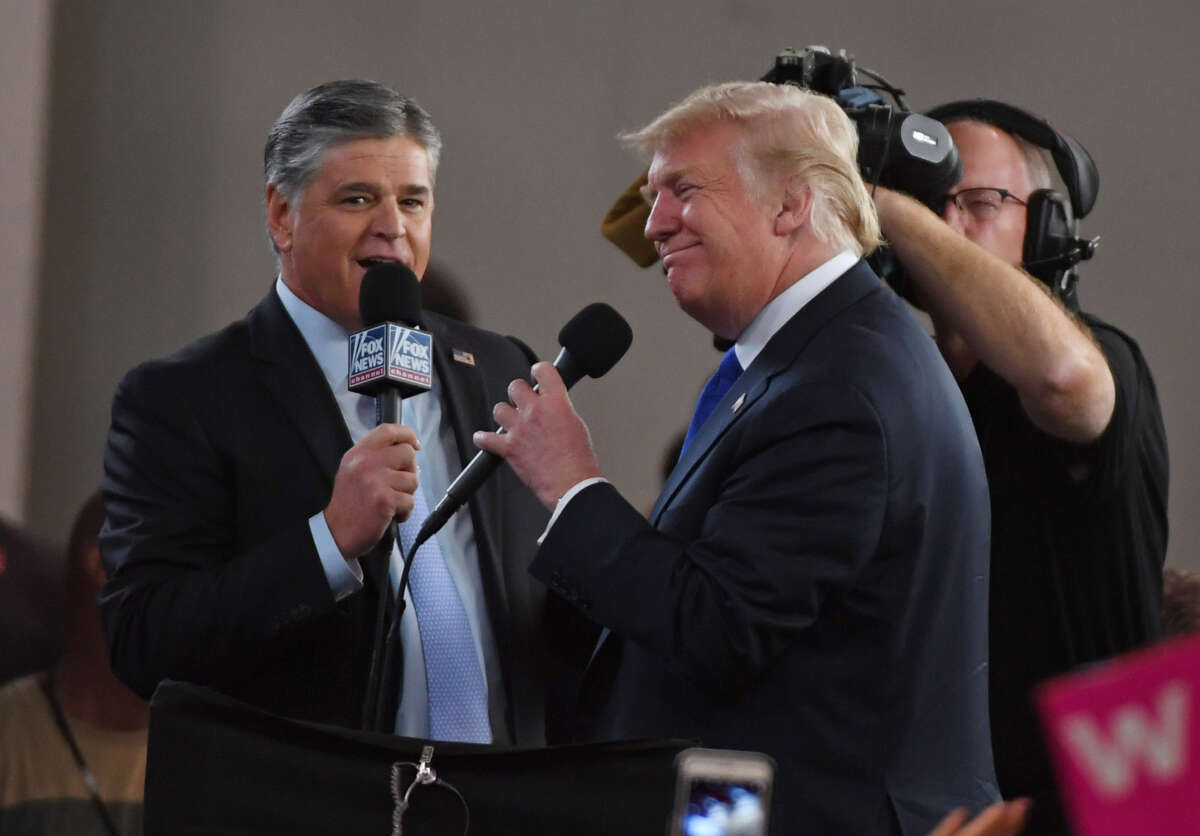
[
  {"x": 813, "y": 580},
  {"x": 217, "y": 457}
]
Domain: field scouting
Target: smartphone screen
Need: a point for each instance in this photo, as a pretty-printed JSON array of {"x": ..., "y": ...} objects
[
  {"x": 722, "y": 793},
  {"x": 720, "y": 809}
]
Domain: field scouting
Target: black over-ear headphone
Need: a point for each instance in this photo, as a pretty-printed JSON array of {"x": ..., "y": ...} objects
[{"x": 1052, "y": 248}]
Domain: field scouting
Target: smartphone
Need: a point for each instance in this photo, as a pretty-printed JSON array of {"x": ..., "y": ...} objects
[{"x": 721, "y": 792}]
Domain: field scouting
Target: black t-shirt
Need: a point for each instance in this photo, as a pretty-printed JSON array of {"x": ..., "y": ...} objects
[{"x": 1076, "y": 571}]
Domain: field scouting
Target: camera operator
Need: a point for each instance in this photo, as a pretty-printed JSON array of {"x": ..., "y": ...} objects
[{"x": 1066, "y": 413}]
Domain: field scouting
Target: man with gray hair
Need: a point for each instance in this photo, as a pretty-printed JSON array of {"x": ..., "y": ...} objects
[
  {"x": 812, "y": 581},
  {"x": 250, "y": 495},
  {"x": 1067, "y": 416}
]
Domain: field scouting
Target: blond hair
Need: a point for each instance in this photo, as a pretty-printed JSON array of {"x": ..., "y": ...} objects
[{"x": 787, "y": 132}]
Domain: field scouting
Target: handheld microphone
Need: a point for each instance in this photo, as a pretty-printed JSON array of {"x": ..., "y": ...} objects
[
  {"x": 592, "y": 343},
  {"x": 388, "y": 359},
  {"x": 391, "y": 361}
]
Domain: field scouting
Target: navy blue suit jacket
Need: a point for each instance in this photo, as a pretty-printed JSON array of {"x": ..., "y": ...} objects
[
  {"x": 216, "y": 458},
  {"x": 813, "y": 581}
]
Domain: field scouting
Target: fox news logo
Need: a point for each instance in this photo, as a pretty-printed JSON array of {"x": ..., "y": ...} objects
[
  {"x": 410, "y": 359},
  {"x": 394, "y": 353},
  {"x": 368, "y": 355}
]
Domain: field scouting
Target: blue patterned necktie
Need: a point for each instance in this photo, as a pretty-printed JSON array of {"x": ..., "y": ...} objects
[
  {"x": 454, "y": 681},
  {"x": 723, "y": 378},
  {"x": 458, "y": 705}
]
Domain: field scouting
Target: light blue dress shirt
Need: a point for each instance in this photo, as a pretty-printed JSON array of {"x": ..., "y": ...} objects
[{"x": 437, "y": 460}]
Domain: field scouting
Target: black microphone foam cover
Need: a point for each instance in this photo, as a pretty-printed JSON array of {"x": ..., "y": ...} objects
[
  {"x": 596, "y": 338},
  {"x": 390, "y": 292}
]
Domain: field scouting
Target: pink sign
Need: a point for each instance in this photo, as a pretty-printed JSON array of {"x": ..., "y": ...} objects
[{"x": 1125, "y": 739}]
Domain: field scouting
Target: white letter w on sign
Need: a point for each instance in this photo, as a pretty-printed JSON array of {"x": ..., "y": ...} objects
[{"x": 1160, "y": 743}]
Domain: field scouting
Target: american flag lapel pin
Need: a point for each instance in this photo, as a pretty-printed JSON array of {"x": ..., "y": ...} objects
[{"x": 464, "y": 357}]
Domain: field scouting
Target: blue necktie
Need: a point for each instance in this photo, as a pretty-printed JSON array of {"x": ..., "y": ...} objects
[
  {"x": 728, "y": 372},
  {"x": 454, "y": 682},
  {"x": 458, "y": 706},
  {"x": 723, "y": 378}
]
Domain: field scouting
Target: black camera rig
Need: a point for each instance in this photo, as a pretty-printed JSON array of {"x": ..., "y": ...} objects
[{"x": 897, "y": 148}]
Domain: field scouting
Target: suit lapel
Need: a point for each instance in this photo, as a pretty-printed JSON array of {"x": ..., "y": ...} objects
[
  {"x": 287, "y": 369},
  {"x": 779, "y": 354},
  {"x": 466, "y": 406},
  {"x": 461, "y": 387}
]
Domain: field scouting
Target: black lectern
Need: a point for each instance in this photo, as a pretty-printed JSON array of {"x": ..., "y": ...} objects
[{"x": 219, "y": 767}]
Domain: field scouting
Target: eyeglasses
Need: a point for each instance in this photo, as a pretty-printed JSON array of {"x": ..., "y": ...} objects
[{"x": 983, "y": 203}]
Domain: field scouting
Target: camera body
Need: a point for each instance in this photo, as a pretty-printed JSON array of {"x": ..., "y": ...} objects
[{"x": 897, "y": 148}]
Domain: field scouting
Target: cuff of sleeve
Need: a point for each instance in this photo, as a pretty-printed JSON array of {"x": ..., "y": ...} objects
[
  {"x": 345, "y": 576},
  {"x": 567, "y": 497}
]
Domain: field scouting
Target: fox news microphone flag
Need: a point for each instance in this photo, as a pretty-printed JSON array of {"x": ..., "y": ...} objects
[{"x": 391, "y": 358}]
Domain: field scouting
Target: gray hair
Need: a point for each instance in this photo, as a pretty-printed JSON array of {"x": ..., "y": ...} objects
[
  {"x": 337, "y": 112},
  {"x": 1035, "y": 164},
  {"x": 788, "y": 131},
  {"x": 1037, "y": 170}
]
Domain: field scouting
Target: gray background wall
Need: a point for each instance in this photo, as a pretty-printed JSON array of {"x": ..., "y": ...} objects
[
  {"x": 24, "y": 48},
  {"x": 147, "y": 216}
]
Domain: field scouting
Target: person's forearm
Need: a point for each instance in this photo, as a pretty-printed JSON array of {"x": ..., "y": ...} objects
[{"x": 1007, "y": 321}]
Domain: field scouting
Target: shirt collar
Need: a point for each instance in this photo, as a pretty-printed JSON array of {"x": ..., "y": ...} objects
[
  {"x": 787, "y": 304},
  {"x": 328, "y": 341}
]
